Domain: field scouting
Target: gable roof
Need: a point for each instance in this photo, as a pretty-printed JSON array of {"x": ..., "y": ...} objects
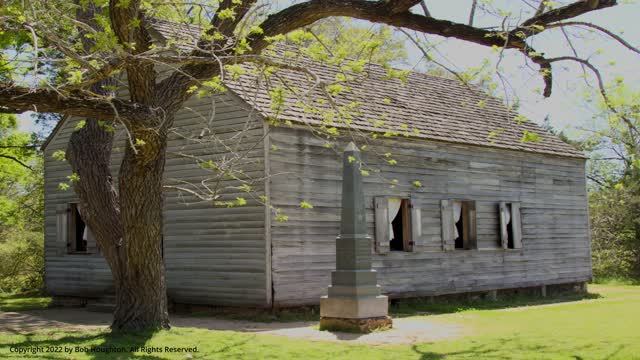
[{"x": 423, "y": 106}]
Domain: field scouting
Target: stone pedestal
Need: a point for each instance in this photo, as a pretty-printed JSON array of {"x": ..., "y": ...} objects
[
  {"x": 363, "y": 326},
  {"x": 354, "y": 302}
]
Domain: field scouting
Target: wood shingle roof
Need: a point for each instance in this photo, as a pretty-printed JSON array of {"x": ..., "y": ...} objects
[{"x": 423, "y": 106}]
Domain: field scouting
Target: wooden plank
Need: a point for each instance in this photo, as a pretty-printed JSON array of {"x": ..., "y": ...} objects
[
  {"x": 516, "y": 225},
  {"x": 504, "y": 234},
  {"x": 470, "y": 235},
  {"x": 62, "y": 227},
  {"x": 416, "y": 226},
  {"x": 267, "y": 218},
  {"x": 446, "y": 211},
  {"x": 407, "y": 236},
  {"x": 381, "y": 225}
]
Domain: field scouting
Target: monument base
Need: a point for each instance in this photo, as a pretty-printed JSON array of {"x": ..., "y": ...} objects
[
  {"x": 364, "y": 326},
  {"x": 354, "y": 307},
  {"x": 355, "y": 314}
]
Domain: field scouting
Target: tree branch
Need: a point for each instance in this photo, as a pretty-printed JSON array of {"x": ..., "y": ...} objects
[
  {"x": 17, "y": 100},
  {"x": 306, "y": 13},
  {"x": 303, "y": 14},
  {"x": 136, "y": 39},
  {"x": 388, "y": 12},
  {"x": 541, "y": 7},
  {"x": 472, "y": 13},
  {"x": 616, "y": 37},
  {"x": 633, "y": 130},
  {"x": 89, "y": 154},
  {"x": 16, "y": 160},
  {"x": 399, "y": 6},
  {"x": 566, "y": 12},
  {"x": 423, "y": 4},
  {"x": 173, "y": 91}
]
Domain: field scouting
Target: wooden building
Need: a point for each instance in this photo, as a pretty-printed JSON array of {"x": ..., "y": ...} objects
[{"x": 457, "y": 202}]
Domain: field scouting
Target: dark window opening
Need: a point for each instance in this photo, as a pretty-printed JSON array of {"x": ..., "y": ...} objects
[
  {"x": 465, "y": 227},
  {"x": 77, "y": 240},
  {"x": 401, "y": 226},
  {"x": 397, "y": 243},
  {"x": 459, "y": 226},
  {"x": 510, "y": 242}
]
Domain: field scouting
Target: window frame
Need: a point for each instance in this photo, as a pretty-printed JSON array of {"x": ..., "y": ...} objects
[
  {"x": 468, "y": 216},
  {"x": 516, "y": 225},
  {"x": 66, "y": 232},
  {"x": 412, "y": 228}
]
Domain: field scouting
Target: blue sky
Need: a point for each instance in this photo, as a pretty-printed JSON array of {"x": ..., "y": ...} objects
[{"x": 566, "y": 107}]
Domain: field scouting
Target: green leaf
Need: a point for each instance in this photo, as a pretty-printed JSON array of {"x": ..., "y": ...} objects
[
  {"x": 80, "y": 125},
  {"x": 528, "y": 136},
  {"x": 73, "y": 177},
  {"x": 305, "y": 205},
  {"x": 59, "y": 155}
]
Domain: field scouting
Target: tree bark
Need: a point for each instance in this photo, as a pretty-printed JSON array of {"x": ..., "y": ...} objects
[
  {"x": 127, "y": 225},
  {"x": 141, "y": 292}
]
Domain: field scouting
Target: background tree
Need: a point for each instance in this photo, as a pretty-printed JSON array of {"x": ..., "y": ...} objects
[
  {"x": 614, "y": 173},
  {"x": 21, "y": 209},
  {"x": 93, "y": 41}
]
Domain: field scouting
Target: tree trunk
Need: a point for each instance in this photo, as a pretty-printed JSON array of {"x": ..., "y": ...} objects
[
  {"x": 141, "y": 293},
  {"x": 128, "y": 226}
]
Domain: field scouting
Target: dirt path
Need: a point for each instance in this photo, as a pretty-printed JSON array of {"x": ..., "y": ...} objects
[{"x": 405, "y": 331}]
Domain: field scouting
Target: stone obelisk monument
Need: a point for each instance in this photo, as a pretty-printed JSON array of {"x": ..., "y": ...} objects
[{"x": 354, "y": 302}]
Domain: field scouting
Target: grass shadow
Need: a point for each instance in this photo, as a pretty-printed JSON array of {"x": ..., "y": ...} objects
[
  {"x": 425, "y": 306},
  {"x": 398, "y": 308},
  {"x": 283, "y": 315},
  {"x": 509, "y": 347}
]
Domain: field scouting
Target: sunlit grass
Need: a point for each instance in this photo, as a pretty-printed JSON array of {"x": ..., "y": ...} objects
[
  {"x": 616, "y": 281},
  {"x": 603, "y": 327},
  {"x": 25, "y": 301}
]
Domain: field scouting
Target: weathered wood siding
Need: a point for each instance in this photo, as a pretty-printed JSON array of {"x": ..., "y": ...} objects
[
  {"x": 551, "y": 191},
  {"x": 213, "y": 255},
  {"x": 67, "y": 274}
]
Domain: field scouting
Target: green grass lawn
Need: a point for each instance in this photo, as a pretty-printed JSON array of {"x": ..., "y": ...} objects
[
  {"x": 21, "y": 302},
  {"x": 603, "y": 327}
]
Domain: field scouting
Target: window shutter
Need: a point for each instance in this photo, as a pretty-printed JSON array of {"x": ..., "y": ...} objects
[
  {"x": 516, "y": 223},
  {"x": 382, "y": 225},
  {"x": 446, "y": 213},
  {"x": 62, "y": 228},
  {"x": 416, "y": 225},
  {"x": 504, "y": 234},
  {"x": 407, "y": 226},
  {"x": 471, "y": 241}
]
